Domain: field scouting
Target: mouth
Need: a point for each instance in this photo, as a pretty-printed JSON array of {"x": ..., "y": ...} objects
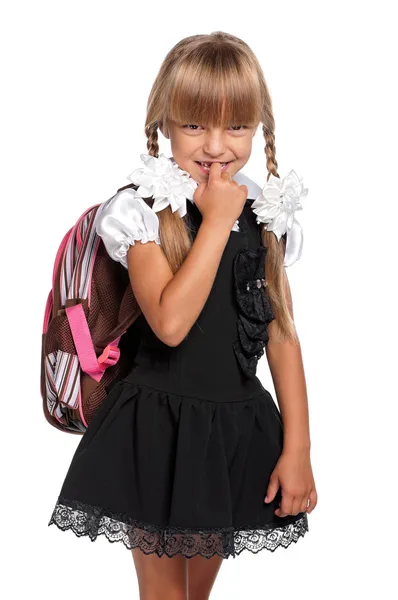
[{"x": 205, "y": 167}]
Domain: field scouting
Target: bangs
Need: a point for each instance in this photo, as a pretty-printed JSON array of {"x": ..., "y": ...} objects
[{"x": 215, "y": 91}]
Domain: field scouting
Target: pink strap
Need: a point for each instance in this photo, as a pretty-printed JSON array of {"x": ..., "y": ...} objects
[{"x": 89, "y": 363}]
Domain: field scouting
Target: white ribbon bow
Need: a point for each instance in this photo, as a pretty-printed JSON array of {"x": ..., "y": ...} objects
[
  {"x": 276, "y": 205},
  {"x": 162, "y": 179}
]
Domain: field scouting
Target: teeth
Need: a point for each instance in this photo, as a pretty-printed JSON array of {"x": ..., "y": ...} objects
[{"x": 208, "y": 165}]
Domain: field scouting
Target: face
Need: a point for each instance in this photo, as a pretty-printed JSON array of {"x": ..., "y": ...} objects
[{"x": 191, "y": 144}]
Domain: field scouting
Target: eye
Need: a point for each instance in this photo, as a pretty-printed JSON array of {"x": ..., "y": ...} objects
[{"x": 189, "y": 125}]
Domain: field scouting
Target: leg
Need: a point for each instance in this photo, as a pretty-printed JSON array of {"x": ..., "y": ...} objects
[
  {"x": 160, "y": 578},
  {"x": 202, "y": 573}
]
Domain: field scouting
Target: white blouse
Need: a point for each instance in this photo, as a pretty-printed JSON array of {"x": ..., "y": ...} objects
[{"x": 126, "y": 218}]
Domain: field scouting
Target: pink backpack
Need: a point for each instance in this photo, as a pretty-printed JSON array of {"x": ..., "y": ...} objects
[{"x": 89, "y": 308}]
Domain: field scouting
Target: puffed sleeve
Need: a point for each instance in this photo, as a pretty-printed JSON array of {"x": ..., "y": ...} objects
[{"x": 124, "y": 219}]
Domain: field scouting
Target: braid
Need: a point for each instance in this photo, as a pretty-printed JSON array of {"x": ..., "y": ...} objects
[
  {"x": 151, "y": 131},
  {"x": 275, "y": 272},
  {"x": 175, "y": 239},
  {"x": 270, "y": 152}
]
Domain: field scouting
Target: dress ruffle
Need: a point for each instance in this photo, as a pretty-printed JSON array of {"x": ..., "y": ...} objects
[{"x": 254, "y": 308}]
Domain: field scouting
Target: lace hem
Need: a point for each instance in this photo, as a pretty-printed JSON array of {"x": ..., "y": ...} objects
[{"x": 92, "y": 521}]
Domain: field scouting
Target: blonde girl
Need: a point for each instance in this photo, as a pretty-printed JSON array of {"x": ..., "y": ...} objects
[{"x": 188, "y": 461}]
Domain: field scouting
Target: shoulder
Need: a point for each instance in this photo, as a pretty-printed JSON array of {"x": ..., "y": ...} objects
[{"x": 124, "y": 219}]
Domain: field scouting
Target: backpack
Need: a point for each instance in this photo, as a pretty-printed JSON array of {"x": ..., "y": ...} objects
[{"x": 89, "y": 308}]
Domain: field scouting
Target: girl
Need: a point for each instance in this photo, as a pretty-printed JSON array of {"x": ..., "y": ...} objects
[{"x": 188, "y": 456}]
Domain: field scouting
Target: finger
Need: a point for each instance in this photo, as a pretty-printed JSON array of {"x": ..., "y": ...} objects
[
  {"x": 199, "y": 190},
  {"x": 286, "y": 505},
  {"x": 296, "y": 505},
  {"x": 313, "y": 498},
  {"x": 272, "y": 489},
  {"x": 245, "y": 189},
  {"x": 304, "y": 504},
  {"x": 227, "y": 175},
  {"x": 214, "y": 172}
]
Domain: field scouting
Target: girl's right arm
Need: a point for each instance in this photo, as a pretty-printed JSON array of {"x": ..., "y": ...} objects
[{"x": 172, "y": 303}]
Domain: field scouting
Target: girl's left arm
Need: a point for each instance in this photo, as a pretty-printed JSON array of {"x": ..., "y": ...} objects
[
  {"x": 293, "y": 471},
  {"x": 287, "y": 370}
]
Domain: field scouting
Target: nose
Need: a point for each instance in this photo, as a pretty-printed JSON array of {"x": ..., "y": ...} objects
[{"x": 214, "y": 144}]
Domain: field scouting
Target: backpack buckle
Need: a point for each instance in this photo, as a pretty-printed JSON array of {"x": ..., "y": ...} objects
[{"x": 109, "y": 357}]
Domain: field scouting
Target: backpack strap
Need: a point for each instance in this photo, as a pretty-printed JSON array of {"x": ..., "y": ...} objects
[
  {"x": 86, "y": 245},
  {"x": 89, "y": 363}
]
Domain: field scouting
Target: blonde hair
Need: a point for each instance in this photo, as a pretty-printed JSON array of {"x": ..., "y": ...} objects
[{"x": 196, "y": 76}]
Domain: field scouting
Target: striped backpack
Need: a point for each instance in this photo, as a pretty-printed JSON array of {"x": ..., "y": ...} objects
[{"x": 90, "y": 307}]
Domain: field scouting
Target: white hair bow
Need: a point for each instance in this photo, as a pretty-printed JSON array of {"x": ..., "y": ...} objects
[
  {"x": 276, "y": 205},
  {"x": 162, "y": 179}
]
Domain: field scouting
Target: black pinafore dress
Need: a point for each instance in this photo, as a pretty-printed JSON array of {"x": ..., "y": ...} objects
[{"x": 177, "y": 458}]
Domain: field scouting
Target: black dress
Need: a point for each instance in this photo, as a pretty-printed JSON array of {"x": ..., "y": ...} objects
[{"x": 177, "y": 458}]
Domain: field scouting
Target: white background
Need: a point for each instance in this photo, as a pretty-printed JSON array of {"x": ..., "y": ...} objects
[{"x": 75, "y": 81}]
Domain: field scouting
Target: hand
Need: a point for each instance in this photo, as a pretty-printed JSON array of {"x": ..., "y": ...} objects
[
  {"x": 293, "y": 473},
  {"x": 220, "y": 199}
]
